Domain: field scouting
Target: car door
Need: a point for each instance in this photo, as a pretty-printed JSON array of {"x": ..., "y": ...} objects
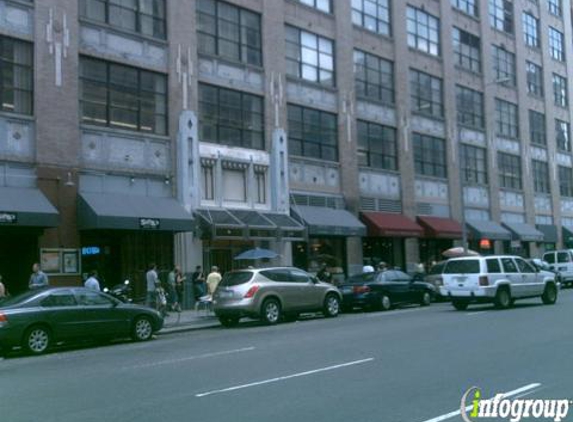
[
  {"x": 563, "y": 263},
  {"x": 410, "y": 290},
  {"x": 312, "y": 292},
  {"x": 281, "y": 286},
  {"x": 531, "y": 283},
  {"x": 102, "y": 317},
  {"x": 61, "y": 311},
  {"x": 396, "y": 285},
  {"x": 512, "y": 274}
]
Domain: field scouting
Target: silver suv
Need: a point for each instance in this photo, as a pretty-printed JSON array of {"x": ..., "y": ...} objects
[
  {"x": 272, "y": 293},
  {"x": 498, "y": 279}
]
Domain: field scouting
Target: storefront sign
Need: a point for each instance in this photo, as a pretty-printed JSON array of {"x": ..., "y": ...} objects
[
  {"x": 90, "y": 250},
  {"x": 149, "y": 223},
  {"x": 8, "y": 217}
]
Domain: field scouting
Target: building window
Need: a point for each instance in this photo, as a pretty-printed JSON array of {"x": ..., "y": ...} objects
[
  {"x": 540, "y": 171},
  {"x": 309, "y": 56},
  {"x": 423, "y": 31},
  {"x": 556, "y": 44},
  {"x": 534, "y": 79},
  {"x": 562, "y": 135},
  {"x": 312, "y": 133},
  {"x": 509, "y": 170},
  {"x": 537, "y": 132},
  {"x": 234, "y": 185},
  {"x": 467, "y": 6},
  {"x": 560, "y": 91},
  {"x": 426, "y": 94},
  {"x": 467, "y": 50},
  {"x": 373, "y": 77},
  {"x": 377, "y": 146},
  {"x": 146, "y": 17},
  {"x": 429, "y": 155},
  {"x": 123, "y": 97},
  {"x": 261, "y": 186},
  {"x": 474, "y": 164},
  {"x": 469, "y": 105},
  {"x": 16, "y": 76},
  {"x": 322, "y": 5},
  {"x": 565, "y": 181},
  {"x": 373, "y": 15},
  {"x": 208, "y": 191},
  {"x": 229, "y": 31},
  {"x": 554, "y": 7},
  {"x": 531, "y": 30},
  {"x": 506, "y": 119},
  {"x": 504, "y": 66},
  {"x": 501, "y": 15},
  {"x": 231, "y": 117}
]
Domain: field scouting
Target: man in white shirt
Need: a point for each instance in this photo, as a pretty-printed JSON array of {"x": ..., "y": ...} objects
[
  {"x": 92, "y": 282},
  {"x": 152, "y": 281}
]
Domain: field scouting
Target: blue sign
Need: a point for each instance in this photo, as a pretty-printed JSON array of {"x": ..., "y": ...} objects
[{"x": 90, "y": 250}]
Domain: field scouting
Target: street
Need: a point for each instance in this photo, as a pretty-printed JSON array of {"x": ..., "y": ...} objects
[{"x": 410, "y": 365}]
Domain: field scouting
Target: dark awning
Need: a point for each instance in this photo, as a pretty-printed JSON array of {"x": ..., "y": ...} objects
[
  {"x": 26, "y": 207},
  {"x": 323, "y": 221},
  {"x": 390, "y": 225},
  {"x": 132, "y": 212},
  {"x": 444, "y": 228},
  {"x": 486, "y": 229},
  {"x": 567, "y": 233},
  {"x": 549, "y": 232},
  {"x": 524, "y": 232},
  {"x": 289, "y": 228}
]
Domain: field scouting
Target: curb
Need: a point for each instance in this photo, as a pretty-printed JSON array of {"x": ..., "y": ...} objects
[{"x": 188, "y": 327}]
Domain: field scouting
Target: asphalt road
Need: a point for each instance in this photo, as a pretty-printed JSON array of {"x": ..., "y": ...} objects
[{"x": 409, "y": 365}]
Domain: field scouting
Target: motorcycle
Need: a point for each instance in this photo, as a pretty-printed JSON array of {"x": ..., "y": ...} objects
[{"x": 120, "y": 291}]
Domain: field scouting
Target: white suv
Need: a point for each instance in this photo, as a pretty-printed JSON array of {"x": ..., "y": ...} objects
[
  {"x": 497, "y": 279},
  {"x": 561, "y": 262}
]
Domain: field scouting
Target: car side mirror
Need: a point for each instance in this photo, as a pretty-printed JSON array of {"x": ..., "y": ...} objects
[{"x": 314, "y": 280}]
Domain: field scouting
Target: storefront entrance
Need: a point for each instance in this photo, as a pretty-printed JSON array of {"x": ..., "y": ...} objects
[
  {"x": 431, "y": 250},
  {"x": 384, "y": 249},
  {"x": 18, "y": 251}
]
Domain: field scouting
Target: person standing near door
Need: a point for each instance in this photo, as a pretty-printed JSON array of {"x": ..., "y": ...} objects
[
  {"x": 213, "y": 280},
  {"x": 152, "y": 282},
  {"x": 38, "y": 279}
]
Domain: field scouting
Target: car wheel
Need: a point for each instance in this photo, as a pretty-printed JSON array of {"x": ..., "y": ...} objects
[
  {"x": 460, "y": 305},
  {"x": 385, "y": 303},
  {"x": 549, "y": 296},
  {"x": 426, "y": 299},
  {"x": 502, "y": 299},
  {"x": 271, "y": 311},
  {"x": 37, "y": 339},
  {"x": 331, "y": 306},
  {"x": 229, "y": 321},
  {"x": 142, "y": 329}
]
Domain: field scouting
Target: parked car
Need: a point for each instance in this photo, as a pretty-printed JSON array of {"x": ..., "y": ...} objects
[
  {"x": 498, "y": 279},
  {"x": 271, "y": 293},
  {"x": 561, "y": 262},
  {"x": 38, "y": 319},
  {"x": 434, "y": 277},
  {"x": 544, "y": 267},
  {"x": 384, "y": 289}
]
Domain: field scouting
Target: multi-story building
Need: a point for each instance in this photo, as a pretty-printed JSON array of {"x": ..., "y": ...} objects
[{"x": 341, "y": 131}]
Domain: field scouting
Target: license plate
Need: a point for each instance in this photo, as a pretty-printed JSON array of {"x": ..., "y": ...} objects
[
  {"x": 347, "y": 289},
  {"x": 225, "y": 295}
]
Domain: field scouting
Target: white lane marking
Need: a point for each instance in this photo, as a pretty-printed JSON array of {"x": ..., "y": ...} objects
[
  {"x": 505, "y": 395},
  {"x": 476, "y": 313},
  {"x": 283, "y": 378},
  {"x": 205, "y": 355}
]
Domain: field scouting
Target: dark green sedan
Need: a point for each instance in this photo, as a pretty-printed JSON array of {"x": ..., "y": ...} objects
[{"x": 36, "y": 320}]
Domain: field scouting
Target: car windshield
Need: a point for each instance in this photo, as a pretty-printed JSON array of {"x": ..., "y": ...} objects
[
  {"x": 438, "y": 268},
  {"x": 236, "y": 278},
  {"x": 362, "y": 278},
  {"x": 14, "y": 300},
  {"x": 464, "y": 266}
]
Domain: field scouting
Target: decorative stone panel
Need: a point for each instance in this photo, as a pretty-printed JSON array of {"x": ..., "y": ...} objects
[
  {"x": 17, "y": 138},
  {"x": 384, "y": 185},
  {"x": 511, "y": 200},
  {"x": 472, "y": 137},
  {"x": 476, "y": 196},
  {"x": 428, "y": 126},
  {"x": 433, "y": 190},
  {"x": 539, "y": 154},
  {"x": 507, "y": 145},
  {"x": 542, "y": 203},
  {"x": 16, "y": 18},
  {"x": 230, "y": 74},
  {"x": 307, "y": 94},
  {"x": 315, "y": 175},
  {"x": 375, "y": 113}
]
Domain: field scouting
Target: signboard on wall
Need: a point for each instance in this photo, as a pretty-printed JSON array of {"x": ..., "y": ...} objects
[
  {"x": 58, "y": 261},
  {"x": 8, "y": 217}
]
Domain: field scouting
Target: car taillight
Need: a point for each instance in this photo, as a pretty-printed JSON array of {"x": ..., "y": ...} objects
[
  {"x": 251, "y": 292},
  {"x": 483, "y": 281},
  {"x": 439, "y": 281},
  {"x": 361, "y": 289},
  {"x": 3, "y": 319}
]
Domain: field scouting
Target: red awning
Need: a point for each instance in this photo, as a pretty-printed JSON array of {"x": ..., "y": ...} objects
[
  {"x": 390, "y": 225},
  {"x": 444, "y": 228}
]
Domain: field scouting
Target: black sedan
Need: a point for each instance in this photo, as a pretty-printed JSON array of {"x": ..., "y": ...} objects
[
  {"x": 36, "y": 320},
  {"x": 382, "y": 290}
]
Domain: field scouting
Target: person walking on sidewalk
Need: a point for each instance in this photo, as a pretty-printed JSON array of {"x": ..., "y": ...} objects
[
  {"x": 179, "y": 287},
  {"x": 198, "y": 280},
  {"x": 171, "y": 289},
  {"x": 92, "y": 282},
  {"x": 152, "y": 280},
  {"x": 38, "y": 279},
  {"x": 213, "y": 280}
]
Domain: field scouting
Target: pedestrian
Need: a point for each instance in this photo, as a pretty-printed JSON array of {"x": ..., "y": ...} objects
[
  {"x": 38, "y": 279},
  {"x": 368, "y": 269},
  {"x": 179, "y": 287},
  {"x": 2, "y": 288},
  {"x": 213, "y": 280},
  {"x": 92, "y": 282},
  {"x": 152, "y": 280},
  {"x": 323, "y": 274},
  {"x": 382, "y": 266},
  {"x": 172, "y": 288},
  {"x": 198, "y": 280}
]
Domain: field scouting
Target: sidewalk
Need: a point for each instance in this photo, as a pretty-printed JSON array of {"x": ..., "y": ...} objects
[{"x": 188, "y": 320}]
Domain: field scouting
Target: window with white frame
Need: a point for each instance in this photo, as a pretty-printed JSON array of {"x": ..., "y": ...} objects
[
  {"x": 534, "y": 74},
  {"x": 467, "y": 50},
  {"x": 509, "y": 169},
  {"x": 474, "y": 164},
  {"x": 373, "y": 15},
  {"x": 469, "y": 106},
  {"x": 540, "y": 170},
  {"x": 554, "y": 7},
  {"x": 373, "y": 77},
  {"x": 322, "y": 5},
  {"x": 556, "y": 44},
  {"x": 467, "y": 6},
  {"x": 531, "y": 30},
  {"x": 501, "y": 15},
  {"x": 537, "y": 128},
  {"x": 429, "y": 155},
  {"x": 562, "y": 135},
  {"x": 504, "y": 66},
  {"x": 309, "y": 56},
  {"x": 423, "y": 31},
  {"x": 426, "y": 94},
  {"x": 506, "y": 119},
  {"x": 560, "y": 90}
]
